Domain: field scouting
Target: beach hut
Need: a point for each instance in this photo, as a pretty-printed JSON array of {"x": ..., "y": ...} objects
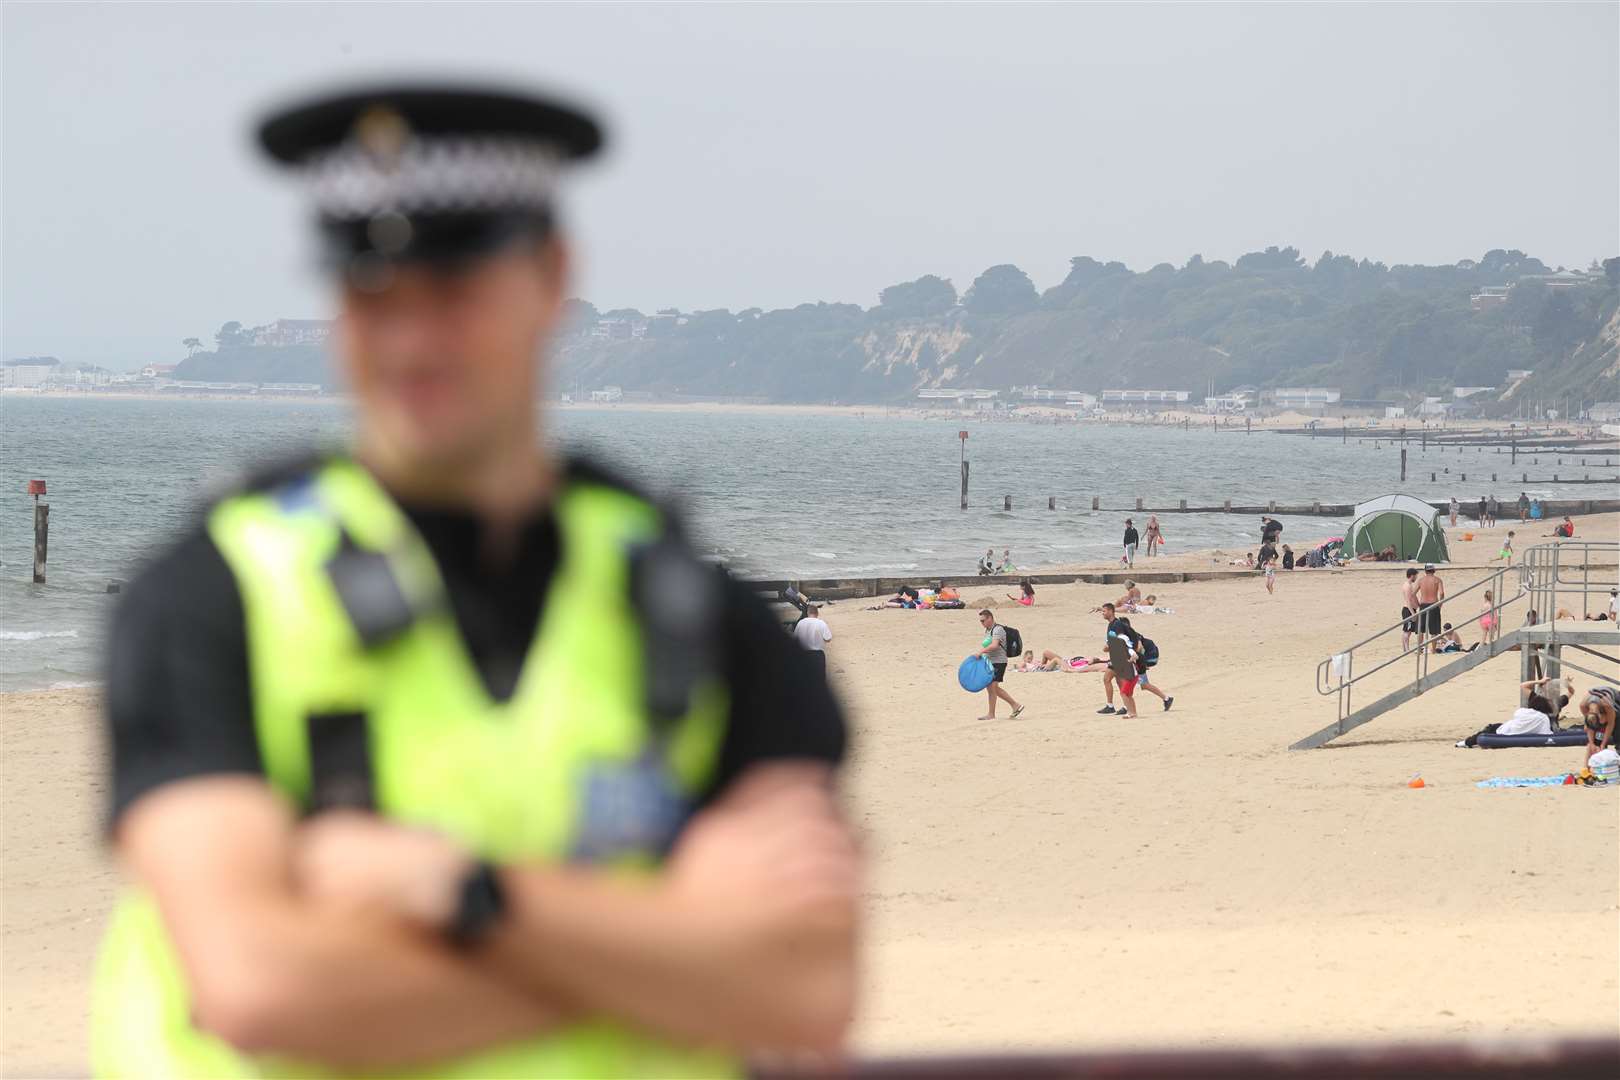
[{"x": 1410, "y": 524}]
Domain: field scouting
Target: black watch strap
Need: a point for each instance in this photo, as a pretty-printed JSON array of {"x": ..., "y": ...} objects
[{"x": 480, "y": 906}]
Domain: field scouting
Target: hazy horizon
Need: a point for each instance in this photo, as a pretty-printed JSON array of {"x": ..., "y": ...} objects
[{"x": 770, "y": 156}]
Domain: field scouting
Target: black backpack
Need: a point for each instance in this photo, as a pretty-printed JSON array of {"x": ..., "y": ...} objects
[{"x": 1015, "y": 642}]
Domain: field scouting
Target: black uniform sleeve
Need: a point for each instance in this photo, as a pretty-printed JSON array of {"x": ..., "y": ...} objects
[
  {"x": 781, "y": 706},
  {"x": 178, "y": 699}
]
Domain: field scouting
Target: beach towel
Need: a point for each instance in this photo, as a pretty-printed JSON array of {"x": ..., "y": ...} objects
[{"x": 1523, "y": 781}]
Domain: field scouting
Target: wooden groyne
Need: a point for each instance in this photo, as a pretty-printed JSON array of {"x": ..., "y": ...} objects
[
  {"x": 1557, "y": 507},
  {"x": 858, "y": 588}
]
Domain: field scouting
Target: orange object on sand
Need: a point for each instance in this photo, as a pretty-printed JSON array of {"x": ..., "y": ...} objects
[
  {"x": 1416, "y": 781},
  {"x": 1467, "y": 536},
  {"x": 1569, "y": 779}
]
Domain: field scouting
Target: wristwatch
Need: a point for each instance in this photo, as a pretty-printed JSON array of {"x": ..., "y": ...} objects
[{"x": 481, "y": 904}]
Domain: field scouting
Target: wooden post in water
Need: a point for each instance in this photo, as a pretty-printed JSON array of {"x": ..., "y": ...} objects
[
  {"x": 1247, "y": 430},
  {"x": 962, "y": 435},
  {"x": 42, "y": 529},
  {"x": 1403, "y": 463},
  {"x": 1051, "y": 502},
  {"x": 1227, "y": 506},
  {"x": 1006, "y": 502},
  {"x": 1094, "y": 502},
  {"x": 1514, "y": 456},
  {"x": 1139, "y": 504},
  {"x": 1184, "y": 504}
]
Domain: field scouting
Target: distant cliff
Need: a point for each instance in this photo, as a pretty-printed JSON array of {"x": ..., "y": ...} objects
[{"x": 1269, "y": 319}]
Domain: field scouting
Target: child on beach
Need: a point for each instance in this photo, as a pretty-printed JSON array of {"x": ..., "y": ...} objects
[
  {"x": 1507, "y": 549},
  {"x": 1048, "y": 662},
  {"x": 1027, "y": 596},
  {"x": 1487, "y": 621},
  {"x": 1271, "y": 575}
]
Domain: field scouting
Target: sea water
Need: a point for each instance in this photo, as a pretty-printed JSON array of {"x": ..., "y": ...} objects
[{"x": 778, "y": 494}]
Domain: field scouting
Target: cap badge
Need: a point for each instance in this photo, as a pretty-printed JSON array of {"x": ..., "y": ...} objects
[{"x": 382, "y": 133}]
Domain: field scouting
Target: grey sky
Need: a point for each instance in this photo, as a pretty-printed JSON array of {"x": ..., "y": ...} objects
[{"x": 772, "y": 155}]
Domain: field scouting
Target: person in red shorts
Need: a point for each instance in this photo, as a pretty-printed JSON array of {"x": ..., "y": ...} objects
[{"x": 1121, "y": 665}]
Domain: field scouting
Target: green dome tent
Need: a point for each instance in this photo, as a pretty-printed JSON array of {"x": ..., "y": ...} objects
[{"x": 1411, "y": 525}]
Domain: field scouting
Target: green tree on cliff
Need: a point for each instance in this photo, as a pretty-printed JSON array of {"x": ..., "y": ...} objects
[
  {"x": 1001, "y": 290},
  {"x": 928, "y": 295}
]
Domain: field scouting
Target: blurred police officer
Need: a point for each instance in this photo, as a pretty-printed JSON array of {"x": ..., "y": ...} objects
[{"x": 442, "y": 755}]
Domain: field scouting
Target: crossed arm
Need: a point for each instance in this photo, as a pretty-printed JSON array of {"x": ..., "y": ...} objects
[{"x": 319, "y": 941}]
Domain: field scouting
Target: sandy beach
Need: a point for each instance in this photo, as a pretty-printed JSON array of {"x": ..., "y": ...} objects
[{"x": 1070, "y": 879}]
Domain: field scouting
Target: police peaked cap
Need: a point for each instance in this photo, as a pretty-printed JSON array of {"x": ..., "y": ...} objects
[{"x": 428, "y": 172}]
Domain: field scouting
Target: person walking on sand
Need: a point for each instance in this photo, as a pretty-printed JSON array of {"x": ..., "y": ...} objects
[
  {"x": 1430, "y": 592},
  {"x": 813, "y": 634},
  {"x": 1147, "y": 656},
  {"x": 1491, "y": 508},
  {"x": 994, "y": 649},
  {"x": 1153, "y": 537},
  {"x": 1121, "y": 669},
  {"x": 1524, "y": 507},
  {"x": 1482, "y": 513},
  {"x": 1131, "y": 540},
  {"x": 1409, "y": 606},
  {"x": 1454, "y": 509},
  {"x": 1117, "y": 627}
]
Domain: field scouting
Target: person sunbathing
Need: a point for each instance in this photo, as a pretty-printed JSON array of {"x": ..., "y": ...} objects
[
  {"x": 1078, "y": 664},
  {"x": 1449, "y": 642},
  {"x": 1537, "y": 716},
  {"x": 1132, "y": 597}
]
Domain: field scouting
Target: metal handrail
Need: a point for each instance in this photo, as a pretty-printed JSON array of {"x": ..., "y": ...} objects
[
  {"x": 1539, "y": 576},
  {"x": 1327, "y": 684},
  {"x": 1542, "y": 573}
]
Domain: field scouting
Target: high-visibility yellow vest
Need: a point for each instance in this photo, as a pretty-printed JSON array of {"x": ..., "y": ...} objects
[{"x": 572, "y": 767}]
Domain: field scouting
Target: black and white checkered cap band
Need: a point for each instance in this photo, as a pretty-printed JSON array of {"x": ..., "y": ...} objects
[{"x": 434, "y": 175}]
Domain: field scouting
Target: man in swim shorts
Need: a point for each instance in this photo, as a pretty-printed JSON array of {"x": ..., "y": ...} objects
[{"x": 1430, "y": 592}]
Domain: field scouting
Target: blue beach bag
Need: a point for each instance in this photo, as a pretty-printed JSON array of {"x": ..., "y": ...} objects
[{"x": 975, "y": 674}]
